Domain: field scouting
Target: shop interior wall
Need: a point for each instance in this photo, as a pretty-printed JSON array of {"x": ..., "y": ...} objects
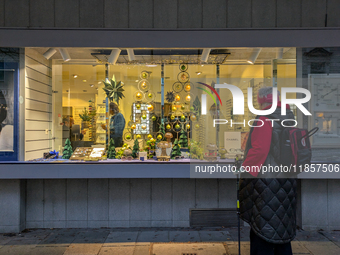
[
  {"x": 169, "y": 14},
  {"x": 38, "y": 105}
]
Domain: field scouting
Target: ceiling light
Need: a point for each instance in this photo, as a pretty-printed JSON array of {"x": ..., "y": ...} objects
[
  {"x": 202, "y": 65},
  {"x": 198, "y": 73},
  {"x": 279, "y": 53},
  {"x": 136, "y": 80},
  {"x": 131, "y": 54},
  {"x": 75, "y": 76},
  {"x": 114, "y": 56},
  {"x": 92, "y": 85},
  {"x": 49, "y": 53},
  {"x": 151, "y": 65},
  {"x": 64, "y": 54},
  {"x": 99, "y": 82},
  {"x": 205, "y": 55},
  {"x": 84, "y": 80},
  {"x": 253, "y": 56}
]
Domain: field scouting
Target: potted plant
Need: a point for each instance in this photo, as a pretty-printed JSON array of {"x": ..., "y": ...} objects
[{"x": 85, "y": 117}]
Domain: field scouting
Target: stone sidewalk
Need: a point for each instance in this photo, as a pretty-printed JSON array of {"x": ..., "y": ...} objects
[{"x": 153, "y": 241}]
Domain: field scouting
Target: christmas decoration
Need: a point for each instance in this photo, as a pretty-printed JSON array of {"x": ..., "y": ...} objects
[
  {"x": 176, "y": 152},
  {"x": 161, "y": 131},
  {"x": 170, "y": 96},
  {"x": 183, "y": 139},
  {"x": 114, "y": 90},
  {"x": 67, "y": 150},
  {"x": 135, "y": 149},
  {"x": 111, "y": 151}
]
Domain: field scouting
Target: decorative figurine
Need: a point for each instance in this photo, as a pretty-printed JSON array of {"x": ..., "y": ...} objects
[
  {"x": 111, "y": 151},
  {"x": 135, "y": 149},
  {"x": 183, "y": 139},
  {"x": 176, "y": 152},
  {"x": 212, "y": 154},
  {"x": 163, "y": 145},
  {"x": 67, "y": 153},
  {"x": 223, "y": 152}
]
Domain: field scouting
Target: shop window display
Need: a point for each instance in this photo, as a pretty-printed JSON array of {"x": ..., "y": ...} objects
[{"x": 107, "y": 112}]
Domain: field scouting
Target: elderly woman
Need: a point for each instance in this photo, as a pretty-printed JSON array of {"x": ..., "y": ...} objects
[
  {"x": 267, "y": 203},
  {"x": 6, "y": 131},
  {"x": 117, "y": 124}
]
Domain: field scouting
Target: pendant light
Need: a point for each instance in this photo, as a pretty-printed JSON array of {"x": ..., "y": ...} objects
[
  {"x": 114, "y": 56},
  {"x": 64, "y": 54},
  {"x": 254, "y": 55}
]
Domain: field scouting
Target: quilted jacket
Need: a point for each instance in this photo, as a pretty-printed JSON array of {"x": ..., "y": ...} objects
[{"x": 268, "y": 203}]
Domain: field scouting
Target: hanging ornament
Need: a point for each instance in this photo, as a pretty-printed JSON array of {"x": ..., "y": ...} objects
[
  {"x": 174, "y": 108},
  {"x": 150, "y": 107},
  {"x": 159, "y": 137},
  {"x": 170, "y": 96},
  {"x": 183, "y": 118},
  {"x": 143, "y": 116},
  {"x": 138, "y": 136},
  {"x": 138, "y": 106},
  {"x": 143, "y": 127},
  {"x": 139, "y": 96},
  {"x": 149, "y": 136},
  {"x": 177, "y": 98},
  {"x": 188, "y": 126},
  {"x": 188, "y": 98},
  {"x": 153, "y": 118},
  {"x": 177, "y": 126},
  {"x": 172, "y": 117},
  {"x": 193, "y": 117},
  {"x": 187, "y": 87},
  {"x": 168, "y": 126},
  {"x": 133, "y": 127}
]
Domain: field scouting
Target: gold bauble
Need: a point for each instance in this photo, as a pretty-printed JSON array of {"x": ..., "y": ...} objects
[
  {"x": 150, "y": 95},
  {"x": 138, "y": 106},
  {"x": 152, "y": 140},
  {"x": 197, "y": 126},
  {"x": 139, "y": 96},
  {"x": 188, "y": 126},
  {"x": 177, "y": 98},
  {"x": 182, "y": 117},
  {"x": 159, "y": 137},
  {"x": 133, "y": 127},
  {"x": 143, "y": 116},
  {"x": 138, "y": 136},
  {"x": 174, "y": 108},
  {"x": 172, "y": 117},
  {"x": 187, "y": 88},
  {"x": 177, "y": 126},
  {"x": 149, "y": 136},
  {"x": 182, "y": 107},
  {"x": 188, "y": 98},
  {"x": 143, "y": 85},
  {"x": 150, "y": 107},
  {"x": 168, "y": 126},
  {"x": 193, "y": 117},
  {"x": 143, "y": 127}
]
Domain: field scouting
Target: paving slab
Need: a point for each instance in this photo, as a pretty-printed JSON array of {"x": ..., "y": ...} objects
[
  {"x": 333, "y": 236},
  {"x": 153, "y": 236},
  {"x": 121, "y": 238},
  {"x": 44, "y": 250},
  {"x": 92, "y": 236},
  {"x": 83, "y": 249},
  {"x": 142, "y": 249},
  {"x": 17, "y": 249},
  {"x": 197, "y": 248},
  {"x": 214, "y": 236},
  {"x": 232, "y": 248},
  {"x": 299, "y": 248},
  {"x": 60, "y": 237},
  {"x": 119, "y": 250},
  {"x": 321, "y": 248},
  {"x": 184, "y": 236}
]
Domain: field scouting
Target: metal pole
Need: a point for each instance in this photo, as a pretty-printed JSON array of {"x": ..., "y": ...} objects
[
  {"x": 218, "y": 106},
  {"x": 162, "y": 92}
]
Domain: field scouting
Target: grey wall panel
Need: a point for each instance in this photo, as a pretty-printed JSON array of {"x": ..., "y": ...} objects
[
  {"x": 288, "y": 13},
  {"x": 35, "y": 200},
  {"x": 165, "y": 14},
  {"x": 116, "y": 13},
  {"x": 333, "y": 10},
  {"x": 91, "y": 13},
  {"x": 67, "y": 17},
  {"x": 76, "y": 199},
  {"x": 333, "y": 204},
  {"x": 313, "y": 13},
  {"x": 263, "y": 13},
  {"x": 17, "y": 13},
  {"x": 54, "y": 200},
  {"x": 183, "y": 198},
  {"x": 190, "y": 14},
  {"x": 239, "y": 13},
  {"x": 98, "y": 200},
  {"x": 140, "y": 199},
  {"x": 214, "y": 14},
  {"x": 2, "y": 13},
  {"x": 42, "y": 13},
  {"x": 9, "y": 202},
  {"x": 161, "y": 192},
  {"x": 227, "y": 193},
  {"x": 119, "y": 196},
  {"x": 207, "y": 193},
  {"x": 140, "y": 13},
  {"x": 314, "y": 203}
]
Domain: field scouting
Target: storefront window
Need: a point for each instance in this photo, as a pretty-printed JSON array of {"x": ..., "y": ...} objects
[{"x": 78, "y": 99}]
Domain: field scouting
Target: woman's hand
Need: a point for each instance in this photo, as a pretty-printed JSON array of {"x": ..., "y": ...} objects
[{"x": 104, "y": 126}]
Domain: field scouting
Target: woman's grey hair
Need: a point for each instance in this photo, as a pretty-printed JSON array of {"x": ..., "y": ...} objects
[{"x": 265, "y": 91}]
